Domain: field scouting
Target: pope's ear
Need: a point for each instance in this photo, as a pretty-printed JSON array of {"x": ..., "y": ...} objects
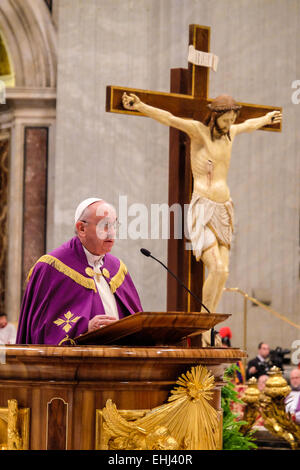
[{"x": 80, "y": 227}]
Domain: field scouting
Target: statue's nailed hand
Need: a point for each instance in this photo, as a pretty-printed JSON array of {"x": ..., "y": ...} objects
[
  {"x": 130, "y": 101},
  {"x": 274, "y": 117}
]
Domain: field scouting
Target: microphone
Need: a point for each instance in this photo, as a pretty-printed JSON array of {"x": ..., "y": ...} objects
[{"x": 148, "y": 254}]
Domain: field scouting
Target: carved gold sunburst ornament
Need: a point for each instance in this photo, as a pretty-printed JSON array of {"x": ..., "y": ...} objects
[
  {"x": 186, "y": 422},
  {"x": 188, "y": 416},
  {"x": 197, "y": 384}
]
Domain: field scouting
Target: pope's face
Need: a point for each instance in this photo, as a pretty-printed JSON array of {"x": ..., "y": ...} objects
[
  {"x": 226, "y": 120},
  {"x": 97, "y": 230}
]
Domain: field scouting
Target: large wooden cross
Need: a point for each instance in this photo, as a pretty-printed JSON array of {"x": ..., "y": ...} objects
[{"x": 188, "y": 98}]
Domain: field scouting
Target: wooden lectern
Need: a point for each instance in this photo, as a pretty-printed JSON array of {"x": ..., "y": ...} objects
[{"x": 133, "y": 363}]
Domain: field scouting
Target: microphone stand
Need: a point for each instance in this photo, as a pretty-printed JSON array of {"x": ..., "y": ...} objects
[{"x": 148, "y": 254}]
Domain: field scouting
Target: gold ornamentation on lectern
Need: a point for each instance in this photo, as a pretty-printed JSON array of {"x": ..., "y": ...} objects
[
  {"x": 186, "y": 422},
  {"x": 14, "y": 427}
]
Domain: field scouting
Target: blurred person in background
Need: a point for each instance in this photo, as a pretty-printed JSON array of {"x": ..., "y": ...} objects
[
  {"x": 8, "y": 331},
  {"x": 292, "y": 401},
  {"x": 260, "y": 364},
  {"x": 261, "y": 382}
]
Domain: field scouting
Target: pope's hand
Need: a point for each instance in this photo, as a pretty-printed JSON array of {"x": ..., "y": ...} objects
[
  {"x": 98, "y": 321},
  {"x": 274, "y": 117},
  {"x": 131, "y": 101}
]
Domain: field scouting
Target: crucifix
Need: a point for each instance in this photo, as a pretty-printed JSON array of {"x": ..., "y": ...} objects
[{"x": 187, "y": 99}]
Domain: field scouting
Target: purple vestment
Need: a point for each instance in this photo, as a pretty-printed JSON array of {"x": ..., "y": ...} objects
[{"x": 61, "y": 295}]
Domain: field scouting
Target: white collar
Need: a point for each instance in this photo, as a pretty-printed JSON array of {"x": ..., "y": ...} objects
[
  {"x": 93, "y": 260},
  {"x": 262, "y": 359}
]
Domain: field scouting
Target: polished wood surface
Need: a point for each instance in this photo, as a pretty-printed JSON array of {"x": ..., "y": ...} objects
[
  {"x": 57, "y": 422},
  {"x": 152, "y": 328},
  {"x": 82, "y": 378},
  {"x": 28, "y": 353}
]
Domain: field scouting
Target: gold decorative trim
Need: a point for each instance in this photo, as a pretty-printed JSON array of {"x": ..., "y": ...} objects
[
  {"x": 105, "y": 273},
  {"x": 118, "y": 279},
  {"x": 14, "y": 427},
  {"x": 270, "y": 404},
  {"x": 63, "y": 268},
  {"x": 103, "y": 435},
  {"x": 90, "y": 272},
  {"x": 263, "y": 306},
  {"x": 66, "y": 338},
  {"x": 186, "y": 422},
  {"x": 66, "y": 322}
]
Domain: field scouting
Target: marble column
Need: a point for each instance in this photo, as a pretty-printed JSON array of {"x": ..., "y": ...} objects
[
  {"x": 35, "y": 196},
  {"x": 31, "y": 185},
  {"x": 4, "y": 151}
]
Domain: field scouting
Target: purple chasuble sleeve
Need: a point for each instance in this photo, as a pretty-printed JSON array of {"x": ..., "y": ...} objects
[{"x": 54, "y": 308}]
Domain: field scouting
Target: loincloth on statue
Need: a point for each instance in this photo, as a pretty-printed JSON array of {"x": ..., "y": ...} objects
[{"x": 209, "y": 223}]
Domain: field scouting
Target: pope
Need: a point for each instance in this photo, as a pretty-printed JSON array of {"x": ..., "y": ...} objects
[{"x": 80, "y": 286}]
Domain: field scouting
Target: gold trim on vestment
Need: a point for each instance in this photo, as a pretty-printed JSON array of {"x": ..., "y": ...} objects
[
  {"x": 105, "y": 273},
  {"x": 118, "y": 278},
  {"x": 90, "y": 272},
  {"x": 66, "y": 338},
  {"x": 63, "y": 268},
  {"x": 66, "y": 322}
]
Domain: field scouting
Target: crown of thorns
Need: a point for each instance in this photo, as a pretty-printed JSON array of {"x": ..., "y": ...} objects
[{"x": 224, "y": 103}]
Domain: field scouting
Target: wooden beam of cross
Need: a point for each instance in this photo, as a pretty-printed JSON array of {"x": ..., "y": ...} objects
[
  {"x": 188, "y": 98},
  {"x": 192, "y": 105},
  {"x": 186, "y": 106}
]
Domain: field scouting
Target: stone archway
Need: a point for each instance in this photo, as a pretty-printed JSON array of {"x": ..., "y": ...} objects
[
  {"x": 30, "y": 37},
  {"x": 28, "y": 120}
]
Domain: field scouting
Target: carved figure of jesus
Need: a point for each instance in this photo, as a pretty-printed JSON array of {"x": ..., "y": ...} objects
[{"x": 210, "y": 215}]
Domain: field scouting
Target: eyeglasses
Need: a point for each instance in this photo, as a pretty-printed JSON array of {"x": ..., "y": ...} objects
[{"x": 103, "y": 225}]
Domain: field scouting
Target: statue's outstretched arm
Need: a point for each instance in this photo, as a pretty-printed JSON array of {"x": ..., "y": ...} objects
[
  {"x": 274, "y": 117},
  {"x": 133, "y": 102}
]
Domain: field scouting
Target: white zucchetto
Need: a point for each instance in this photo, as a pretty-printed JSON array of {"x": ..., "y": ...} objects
[{"x": 83, "y": 205}]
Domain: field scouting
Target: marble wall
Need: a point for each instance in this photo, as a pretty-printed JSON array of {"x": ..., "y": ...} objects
[{"x": 136, "y": 43}]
